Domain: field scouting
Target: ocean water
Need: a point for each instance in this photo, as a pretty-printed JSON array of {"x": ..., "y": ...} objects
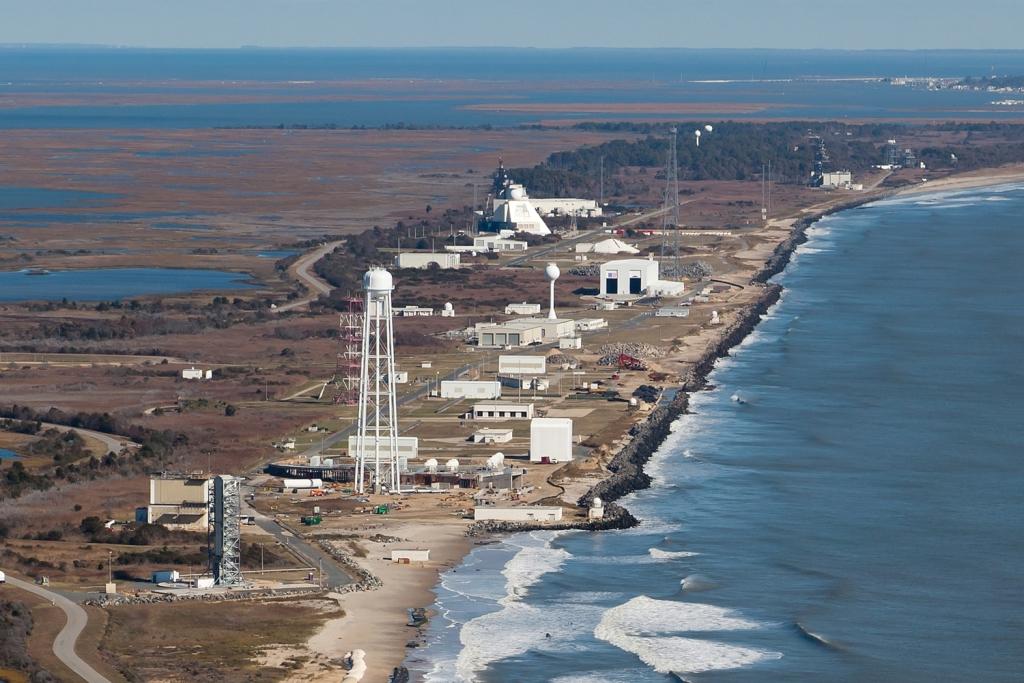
[
  {"x": 845, "y": 504},
  {"x": 440, "y": 86},
  {"x": 109, "y": 284}
]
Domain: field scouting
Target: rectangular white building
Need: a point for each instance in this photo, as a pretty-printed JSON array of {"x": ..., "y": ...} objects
[
  {"x": 567, "y": 206},
  {"x": 500, "y": 410},
  {"x": 519, "y": 513},
  {"x": 193, "y": 373},
  {"x": 470, "y": 389},
  {"x": 498, "y": 244},
  {"x": 522, "y": 309},
  {"x": 591, "y": 324},
  {"x": 635, "y": 277},
  {"x": 550, "y": 439},
  {"x": 515, "y": 334},
  {"x": 570, "y": 343},
  {"x": 490, "y": 435},
  {"x": 179, "y": 502},
  {"x": 836, "y": 179},
  {"x": 408, "y": 447},
  {"x": 413, "y": 311},
  {"x": 416, "y": 259},
  {"x": 407, "y": 555},
  {"x": 522, "y": 365}
]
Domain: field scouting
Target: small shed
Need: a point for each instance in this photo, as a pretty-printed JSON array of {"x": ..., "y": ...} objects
[{"x": 409, "y": 555}]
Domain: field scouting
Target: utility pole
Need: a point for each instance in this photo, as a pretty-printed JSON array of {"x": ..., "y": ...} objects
[{"x": 670, "y": 217}]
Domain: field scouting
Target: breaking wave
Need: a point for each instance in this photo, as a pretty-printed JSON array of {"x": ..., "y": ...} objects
[{"x": 643, "y": 626}]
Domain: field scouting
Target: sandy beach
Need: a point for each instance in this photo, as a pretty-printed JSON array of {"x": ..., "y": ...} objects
[{"x": 376, "y": 621}]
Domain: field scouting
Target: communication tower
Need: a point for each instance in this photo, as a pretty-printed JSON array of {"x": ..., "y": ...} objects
[
  {"x": 670, "y": 215},
  {"x": 225, "y": 533},
  {"x": 350, "y": 339},
  {"x": 377, "y": 426}
]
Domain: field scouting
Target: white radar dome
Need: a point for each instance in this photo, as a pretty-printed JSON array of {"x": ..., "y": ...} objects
[
  {"x": 448, "y": 306},
  {"x": 709, "y": 128},
  {"x": 517, "y": 192},
  {"x": 378, "y": 280},
  {"x": 596, "y": 502},
  {"x": 552, "y": 272},
  {"x": 452, "y": 465}
]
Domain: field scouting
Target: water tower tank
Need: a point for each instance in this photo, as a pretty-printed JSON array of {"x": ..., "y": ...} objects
[
  {"x": 378, "y": 280},
  {"x": 552, "y": 271}
]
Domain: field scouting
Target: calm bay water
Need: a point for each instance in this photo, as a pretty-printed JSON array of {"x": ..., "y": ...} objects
[
  {"x": 108, "y": 284},
  {"x": 844, "y": 505},
  {"x": 789, "y": 84}
]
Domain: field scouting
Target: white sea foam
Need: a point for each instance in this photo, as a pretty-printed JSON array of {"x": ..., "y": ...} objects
[
  {"x": 518, "y": 627},
  {"x": 531, "y": 563},
  {"x": 616, "y": 676},
  {"x": 659, "y": 554},
  {"x": 642, "y": 626}
]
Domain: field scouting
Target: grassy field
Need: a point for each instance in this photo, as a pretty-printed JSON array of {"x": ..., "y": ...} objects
[{"x": 210, "y": 641}]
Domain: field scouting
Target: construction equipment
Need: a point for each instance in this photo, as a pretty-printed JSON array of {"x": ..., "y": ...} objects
[
  {"x": 627, "y": 362},
  {"x": 381, "y": 510},
  {"x": 312, "y": 520}
]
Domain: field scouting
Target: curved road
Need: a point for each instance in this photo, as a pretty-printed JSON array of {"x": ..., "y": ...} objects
[
  {"x": 114, "y": 443},
  {"x": 302, "y": 271},
  {"x": 64, "y": 644}
]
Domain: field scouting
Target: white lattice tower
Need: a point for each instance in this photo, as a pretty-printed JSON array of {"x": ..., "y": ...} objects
[{"x": 376, "y": 441}]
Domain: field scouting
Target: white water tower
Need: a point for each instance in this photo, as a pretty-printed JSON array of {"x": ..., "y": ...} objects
[
  {"x": 552, "y": 273},
  {"x": 377, "y": 426}
]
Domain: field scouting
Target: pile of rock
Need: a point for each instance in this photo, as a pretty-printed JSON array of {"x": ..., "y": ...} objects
[
  {"x": 363, "y": 579},
  {"x": 635, "y": 349},
  {"x": 697, "y": 270}
]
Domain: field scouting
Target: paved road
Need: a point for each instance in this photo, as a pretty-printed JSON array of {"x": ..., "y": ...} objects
[
  {"x": 64, "y": 644},
  {"x": 111, "y": 441},
  {"x": 302, "y": 270},
  {"x": 334, "y": 575}
]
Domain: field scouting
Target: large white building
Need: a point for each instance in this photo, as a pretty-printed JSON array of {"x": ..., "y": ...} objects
[
  {"x": 522, "y": 309},
  {"x": 567, "y": 206},
  {"x": 550, "y": 439},
  {"x": 513, "y": 333},
  {"x": 470, "y": 389},
  {"x": 522, "y": 365},
  {"x": 498, "y": 244},
  {"x": 180, "y": 502},
  {"x": 836, "y": 179},
  {"x": 419, "y": 259},
  {"x": 635, "y": 277},
  {"x": 408, "y": 448}
]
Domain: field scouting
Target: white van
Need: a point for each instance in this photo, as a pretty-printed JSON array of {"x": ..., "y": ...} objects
[{"x": 3, "y": 578}]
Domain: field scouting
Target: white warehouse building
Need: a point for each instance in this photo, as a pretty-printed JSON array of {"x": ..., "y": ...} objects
[
  {"x": 499, "y": 410},
  {"x": 519, "y": 513},
  {"x": 550, "y": 439},
  {"x": 470, "y": 389},
  {"x": 408, "y": 448},
  {"x": 635, "y": 277},
  {"x": 522, "y": 365},
  {"x": 567, "y": 206},
  {"x": 416, "y": 259}
]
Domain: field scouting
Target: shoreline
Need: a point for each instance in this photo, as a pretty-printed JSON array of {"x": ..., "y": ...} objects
[{"x": 390, "y": 646}]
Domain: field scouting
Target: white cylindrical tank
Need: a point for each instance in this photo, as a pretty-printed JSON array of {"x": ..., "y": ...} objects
[
  {"x": 452, "y": 465},
  {"x": 303, "y": 483},
  {"x": 329, "y": 462},
  {"x": 314, "y": 461},
  {"x": 378, "y": 280}
]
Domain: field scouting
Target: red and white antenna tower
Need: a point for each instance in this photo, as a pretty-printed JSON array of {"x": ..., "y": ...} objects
[{"x": 350, "y": 336}]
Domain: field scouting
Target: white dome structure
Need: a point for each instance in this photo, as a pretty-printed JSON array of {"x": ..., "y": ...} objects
[
  {"x": 597, "y": 503},
  {"x": 431, "y": 465},
  {"x": 496, "y": 461},
  {"x": 378, "y": 281},
  {"x": 452, "y": 465}
]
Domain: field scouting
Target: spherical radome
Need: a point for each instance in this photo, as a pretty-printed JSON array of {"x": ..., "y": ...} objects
[
  {"x": 517, "y": 192},
  {"x": 552, "y": 272},
  {"x": 709, "y": 128},
  {"x": 596, "y": 502},
  {"x": 448, "y": 306}
]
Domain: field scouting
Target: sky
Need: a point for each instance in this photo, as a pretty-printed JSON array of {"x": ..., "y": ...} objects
[{"x": 860, "y": 24}]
